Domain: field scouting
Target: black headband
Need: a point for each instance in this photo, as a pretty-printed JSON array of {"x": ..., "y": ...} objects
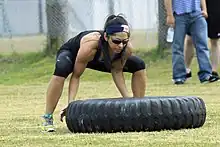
[{"x": 117, "y": 28}]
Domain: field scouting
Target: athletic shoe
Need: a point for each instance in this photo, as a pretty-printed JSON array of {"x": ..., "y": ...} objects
[
  {"x": 188, "y": 75},
  {"x": 210, "y": 79},
  {"x": 179, "y": 82},
  {"x": 215, "y": 74},
  {"x": 48, "y": 123}
]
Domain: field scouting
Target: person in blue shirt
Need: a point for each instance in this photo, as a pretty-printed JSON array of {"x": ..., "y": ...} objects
[
  {"x": 186, "y": 16},
  {"x": 213, "y": 21}
]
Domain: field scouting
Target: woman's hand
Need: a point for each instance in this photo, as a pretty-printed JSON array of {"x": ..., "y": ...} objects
[{"x": 63, "y": 113}]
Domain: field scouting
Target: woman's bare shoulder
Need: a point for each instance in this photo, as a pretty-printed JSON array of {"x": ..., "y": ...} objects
[
  {"x": 129, "y": 49},
  {"x": 88, "y": 46},
  {"x": 91, "y": 39}
]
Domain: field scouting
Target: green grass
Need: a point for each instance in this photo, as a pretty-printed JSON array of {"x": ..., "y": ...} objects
[
  {"x": 34, "y": 67},
  {"x": 23, "y": 83},
  {"x": 18, "y": 69}
]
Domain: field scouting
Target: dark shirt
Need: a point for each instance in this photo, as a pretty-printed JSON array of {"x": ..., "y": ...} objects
[{"x": 73, "y": 46}]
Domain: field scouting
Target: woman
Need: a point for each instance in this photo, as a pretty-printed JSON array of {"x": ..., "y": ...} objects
[{"x": 107, "y": 51}]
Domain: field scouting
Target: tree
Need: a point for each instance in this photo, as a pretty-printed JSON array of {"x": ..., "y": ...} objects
[
  {"x": 162, "y": 44},
  {"x": 111, "y": 6},
  {"x": 40, "y": 16},
  {"x": 57, "y": 24}
]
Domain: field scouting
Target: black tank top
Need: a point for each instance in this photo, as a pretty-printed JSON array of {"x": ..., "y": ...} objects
[
  {"x": 73, "y": 46},
  {"x": 103, "y": 48}
]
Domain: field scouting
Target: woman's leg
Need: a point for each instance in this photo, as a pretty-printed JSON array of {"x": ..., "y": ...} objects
[
  {"x": 138, "y": 83},
  {"x": 188, "y": 51},
  {"x": 133, "y": 65},
  {"x": 215, "y": 54},
  {"x": 64, "y": 66},
  {"x": 136, "y": 66},
  {"x": 54, "y": 93}
]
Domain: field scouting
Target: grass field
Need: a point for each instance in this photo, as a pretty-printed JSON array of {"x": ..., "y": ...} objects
[{"x": 23, "y": 84}]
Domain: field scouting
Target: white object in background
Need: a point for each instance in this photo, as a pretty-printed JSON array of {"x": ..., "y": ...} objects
[{"x": 170, "y": 34}]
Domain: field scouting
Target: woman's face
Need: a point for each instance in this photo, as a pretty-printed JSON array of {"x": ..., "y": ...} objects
[{"x": 118, "y": 41}]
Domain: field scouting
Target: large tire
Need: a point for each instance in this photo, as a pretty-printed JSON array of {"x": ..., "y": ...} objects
[{"x": 135, "y": 114}]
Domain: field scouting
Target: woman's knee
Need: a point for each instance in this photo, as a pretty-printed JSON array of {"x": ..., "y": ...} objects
[
  {"x": 214, "y": 42},
  {"x": 64, "y": 65},
  {"x": 189, "y": 40},
  {"x": 135, "y": 64},
  {"x": 140, "y": 73},
  {"x": 58, "y": 79}
]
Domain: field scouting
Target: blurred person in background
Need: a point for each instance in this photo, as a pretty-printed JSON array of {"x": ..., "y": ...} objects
[
  {"x": 213, "y": 22},
  {"x": 108, "y": 51},
  {"x": 185, "y": 16}
]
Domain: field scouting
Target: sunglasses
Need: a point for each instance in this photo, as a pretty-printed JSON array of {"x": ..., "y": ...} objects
[{"x": 116, "y": 41}]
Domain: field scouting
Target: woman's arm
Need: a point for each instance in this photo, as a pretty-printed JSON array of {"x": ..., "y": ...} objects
[
  {"x": 85, "y": 54},
  {"x": 119, "y": 81},
  {"x": 117, "y": 72},
  {"x": 75, "y": 78}
]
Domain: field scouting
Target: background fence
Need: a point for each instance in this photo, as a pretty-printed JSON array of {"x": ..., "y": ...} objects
[{"x": 23, "y": 23}]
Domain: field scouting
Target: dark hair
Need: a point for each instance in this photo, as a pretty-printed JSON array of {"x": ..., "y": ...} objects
[{"x": 115, "y": 20}]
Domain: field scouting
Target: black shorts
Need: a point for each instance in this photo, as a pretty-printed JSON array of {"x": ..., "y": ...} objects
[
  {"x": 213, "y": 26},
  {"x": 213, "y": 22},
  {"x": 65, "y": 62}
]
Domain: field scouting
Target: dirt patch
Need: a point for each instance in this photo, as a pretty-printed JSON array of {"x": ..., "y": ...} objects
[{"x": 22, "y": 44}]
